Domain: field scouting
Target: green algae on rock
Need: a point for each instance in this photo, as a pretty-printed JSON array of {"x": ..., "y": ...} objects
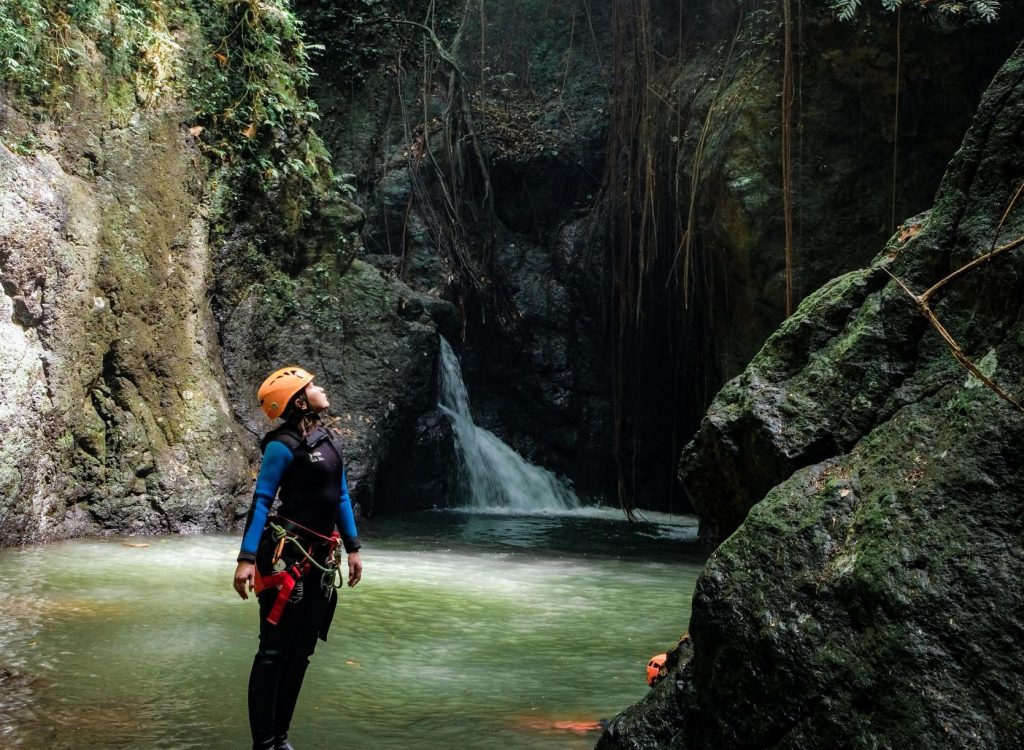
[
  {"x": 121, "y": 421},
  {"x": 132, "y": 229},
  {"x": 872, "y": 598}
]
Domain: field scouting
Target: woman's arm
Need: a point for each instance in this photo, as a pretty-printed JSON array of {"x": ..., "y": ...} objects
[
  {"x": 349, "y": 534},
  {"x": 347, "y": 519},
  {"x": 276, "y": 459}
]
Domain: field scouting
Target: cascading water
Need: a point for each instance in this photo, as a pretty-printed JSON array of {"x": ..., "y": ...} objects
[{"x": 495, "y": 476}]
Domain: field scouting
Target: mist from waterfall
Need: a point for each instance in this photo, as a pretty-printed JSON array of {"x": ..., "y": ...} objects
[{"x": 494, "y": 475}]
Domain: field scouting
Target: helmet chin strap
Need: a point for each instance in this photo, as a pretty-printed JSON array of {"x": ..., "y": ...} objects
[{"x": 299, "y": 409}]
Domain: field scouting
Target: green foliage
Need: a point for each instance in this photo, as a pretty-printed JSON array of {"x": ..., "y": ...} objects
[
  {"x": 361, "y": 39},
  {"x": 248, "y": 88},
  {"x": 253, "y": 74},
  {"x": 25, "y": 145},
  {"x": 976, "y": 10},
  {"x": 243, "y": 66},
  {"x": 30, "y": 60},
  {"x": 42, "y": 42},
  {"x": 129, "y": 33}
]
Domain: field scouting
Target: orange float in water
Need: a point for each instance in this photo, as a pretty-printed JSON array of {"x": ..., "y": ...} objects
[
  {"x": 576, "y": 726},
  {"x": 580, "y": 727}
]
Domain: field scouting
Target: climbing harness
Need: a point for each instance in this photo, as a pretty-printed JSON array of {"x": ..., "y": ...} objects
[{"x": 284, "y": 577}]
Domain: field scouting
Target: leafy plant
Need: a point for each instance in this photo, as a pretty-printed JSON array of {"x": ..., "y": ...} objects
[
  {"x": 981, "y": 10},
  {"x": 249, "y": 90},
  {"x": 27, "y": 61},
  {"x": 43, "y": 41},
  {"x": 26, "y": 145}
]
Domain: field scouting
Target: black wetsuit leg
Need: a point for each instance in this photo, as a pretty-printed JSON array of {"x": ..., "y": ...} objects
[{"x": 280, "y": 663}]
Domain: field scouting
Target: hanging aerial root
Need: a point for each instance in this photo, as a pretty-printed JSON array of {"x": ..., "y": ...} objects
[
  {"x": 922, "y": 302},
  {"x": 787, "y": 155}
]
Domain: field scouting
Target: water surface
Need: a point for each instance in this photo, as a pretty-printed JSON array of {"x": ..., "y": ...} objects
[{"x": 468, "y": 631}]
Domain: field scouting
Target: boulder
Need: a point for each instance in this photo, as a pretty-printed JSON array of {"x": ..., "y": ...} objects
[
  {"x": 872, "y": 596},
  {"x": 372, "y": 344}
]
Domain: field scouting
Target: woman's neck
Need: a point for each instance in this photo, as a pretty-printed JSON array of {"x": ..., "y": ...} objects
[{"x": 305, "y": 423}]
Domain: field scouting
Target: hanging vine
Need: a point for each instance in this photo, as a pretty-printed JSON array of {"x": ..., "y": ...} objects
[
  {"x": 923, "y": 302},
  {"x": 787, "y": 155},
  {"x": 455, "y": 196},
  {"x": 629, "y": 213},
  {"x": 896, "y": 114}
]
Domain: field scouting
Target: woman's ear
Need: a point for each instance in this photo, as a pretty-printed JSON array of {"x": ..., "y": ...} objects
[{"x": 301, "y": 403}]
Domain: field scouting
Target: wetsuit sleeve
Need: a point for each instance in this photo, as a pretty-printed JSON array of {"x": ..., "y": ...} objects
[
  {"x": 347, "y": 519},
  {"x": 276, "y": 458}
]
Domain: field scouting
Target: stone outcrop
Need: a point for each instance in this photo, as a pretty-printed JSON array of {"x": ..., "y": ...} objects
[
  {"x": 872, "y": 596},
  {"x": 114, "y": 414},
  {"x": 547, "y": 383},
  {"x": 373, "y": 345},
  {"x": 141, "y": 309}
]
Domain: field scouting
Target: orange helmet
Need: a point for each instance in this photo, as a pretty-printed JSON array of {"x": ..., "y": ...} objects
[
  {"x": 656, "y": 669},
  {"x": 278, "y": 389}
]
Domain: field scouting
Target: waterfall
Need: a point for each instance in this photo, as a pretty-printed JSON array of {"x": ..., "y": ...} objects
[{"x": 494, "y": 475}]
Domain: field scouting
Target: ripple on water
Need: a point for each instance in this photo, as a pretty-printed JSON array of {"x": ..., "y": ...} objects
[{"x": 461, "y": 635}]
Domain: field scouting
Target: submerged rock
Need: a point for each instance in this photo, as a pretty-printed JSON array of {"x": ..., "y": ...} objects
[{"x": 873, "y": 596}]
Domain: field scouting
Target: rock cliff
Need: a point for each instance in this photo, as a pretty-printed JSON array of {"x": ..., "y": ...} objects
[
  {"x": 156, "y": 265},
  {"x": 552, "y": 106},
  {"x": 869, "y": 592},
  {"x": 114, "y": 412}
]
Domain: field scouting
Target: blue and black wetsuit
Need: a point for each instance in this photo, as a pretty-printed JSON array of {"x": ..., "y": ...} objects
[
  {"x": 307, "y": 475},
  {"x": 310, "y": 475}
]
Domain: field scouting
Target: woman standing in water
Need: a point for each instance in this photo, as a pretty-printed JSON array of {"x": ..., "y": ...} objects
[{"x": 291, "y": 558}]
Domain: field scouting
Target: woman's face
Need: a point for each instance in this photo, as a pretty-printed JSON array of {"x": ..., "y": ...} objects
[{"x": 316, "y": 398}]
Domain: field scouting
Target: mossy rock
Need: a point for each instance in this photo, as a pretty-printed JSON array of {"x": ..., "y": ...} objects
[{"x": 867, "y": 590}]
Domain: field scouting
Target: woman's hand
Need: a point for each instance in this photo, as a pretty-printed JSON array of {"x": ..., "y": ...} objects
[
  {"x": 355, "y": 568},
  {"x": 245, "y": 575}
]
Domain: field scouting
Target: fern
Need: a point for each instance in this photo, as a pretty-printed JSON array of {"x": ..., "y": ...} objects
[
  {"x": 845, "y": 10},
  {"x": 985, "y": 11}
]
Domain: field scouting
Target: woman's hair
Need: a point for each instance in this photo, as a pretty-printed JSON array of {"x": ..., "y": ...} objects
[{"x": 303, "y": 420}]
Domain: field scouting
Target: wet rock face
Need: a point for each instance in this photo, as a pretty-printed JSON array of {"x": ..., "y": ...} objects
[
  {"x": 873, "y": 596},
  {"x": 771, "y": 419},
  {"x": 535, "y": 363},
  {"x": 422, "y": 474},
  {"x": 370, "y": 342},
  {"x": 872, "y": 129},
  {"x": 866, "y": 103},
  {"x": 294, "y": 294},
  {"x": 546, "y": 384},
  {"x": 113, "y": 413},
  {"x": 123, "y": 382}
]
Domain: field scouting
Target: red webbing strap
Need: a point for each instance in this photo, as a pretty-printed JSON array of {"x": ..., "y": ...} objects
[{"x": 284, "y": 582}]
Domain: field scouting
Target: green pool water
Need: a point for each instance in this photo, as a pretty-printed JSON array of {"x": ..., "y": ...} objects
[{"x": 468, "y": 631}]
